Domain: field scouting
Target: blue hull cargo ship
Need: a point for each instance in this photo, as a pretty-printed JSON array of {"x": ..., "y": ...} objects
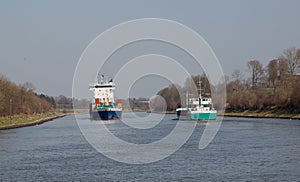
[{"x": 103, "y": 105}]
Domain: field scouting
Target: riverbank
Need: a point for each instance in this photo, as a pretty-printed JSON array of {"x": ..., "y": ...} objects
[
  {"x": 262, "y": 114},
  {"x": 253, "y": 114},
  {"x": 246, "y": 114},
  {"x": 24, "y": 120}
]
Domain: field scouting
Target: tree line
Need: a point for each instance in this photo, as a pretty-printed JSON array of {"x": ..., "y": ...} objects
[
  {"x": 174, "y": 95},
  {"x": 22, "y": 99},
  {"x": 274, "y": 87},
  {"x": 271, "y": 87},
  {"x": 17, "y": 99}
]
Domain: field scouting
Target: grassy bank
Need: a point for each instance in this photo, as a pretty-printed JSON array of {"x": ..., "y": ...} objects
[
  {"x": 263, "y": 114},
  {"x": 26, "y": 120}
]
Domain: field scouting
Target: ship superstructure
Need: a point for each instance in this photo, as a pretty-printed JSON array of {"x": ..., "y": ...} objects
[{"x": 103, "y": 104}]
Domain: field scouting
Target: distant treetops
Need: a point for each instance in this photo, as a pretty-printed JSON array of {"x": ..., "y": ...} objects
[
  {"x": 22, "y": 99},
  {"x": 272, "y": 87}
]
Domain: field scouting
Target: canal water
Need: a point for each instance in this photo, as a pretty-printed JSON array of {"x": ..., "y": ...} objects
[{"x": 245, "y": 149}]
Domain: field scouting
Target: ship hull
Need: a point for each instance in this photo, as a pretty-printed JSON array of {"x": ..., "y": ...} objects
[
  {"x": 105, "y": 115},
  {"x": 202, "y": 116}
]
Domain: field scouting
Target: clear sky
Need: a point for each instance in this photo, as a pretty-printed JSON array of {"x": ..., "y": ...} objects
[{"x": 41, "y": 41}]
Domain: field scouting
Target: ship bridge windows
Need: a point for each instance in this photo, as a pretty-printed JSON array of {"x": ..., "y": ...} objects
[{"x": 104, "y": 86}]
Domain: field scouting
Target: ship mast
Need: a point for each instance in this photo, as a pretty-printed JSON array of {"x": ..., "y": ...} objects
[
  {"x": 200, "y": 97},
  {"x": 100, "y": 78},
  {"x": 200, "y": 87},
  {"x": 187, "y": 99}
]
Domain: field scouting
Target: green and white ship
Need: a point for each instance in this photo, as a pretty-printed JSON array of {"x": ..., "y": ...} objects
[{"x": 199, "y": 108}]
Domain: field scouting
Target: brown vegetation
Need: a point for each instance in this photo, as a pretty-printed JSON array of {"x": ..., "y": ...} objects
[
  {"x": 133, "y": 104},
  {"x": 275, "y": 87},
  {"x": 17, "y": 99},
  {"x": 175, "y": 95}
]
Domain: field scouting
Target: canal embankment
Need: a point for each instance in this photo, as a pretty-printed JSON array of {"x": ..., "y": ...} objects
[
  {"x": 262, "y": 114},
  {"x": 24, "y": 120}
]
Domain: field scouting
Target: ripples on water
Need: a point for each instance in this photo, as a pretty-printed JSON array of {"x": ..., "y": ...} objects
[{"x": 244, "y": 149}]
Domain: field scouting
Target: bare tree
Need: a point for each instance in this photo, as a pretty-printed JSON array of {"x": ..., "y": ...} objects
[
  {"x": 282, "y": 67},
  {"x": 28, "y": 86},
  {"x": 238, "y": 78},
  {"x": 292, "y": 56},
  {"x": 272, "y": 72},
  {"x": 256, "y": 70}
]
